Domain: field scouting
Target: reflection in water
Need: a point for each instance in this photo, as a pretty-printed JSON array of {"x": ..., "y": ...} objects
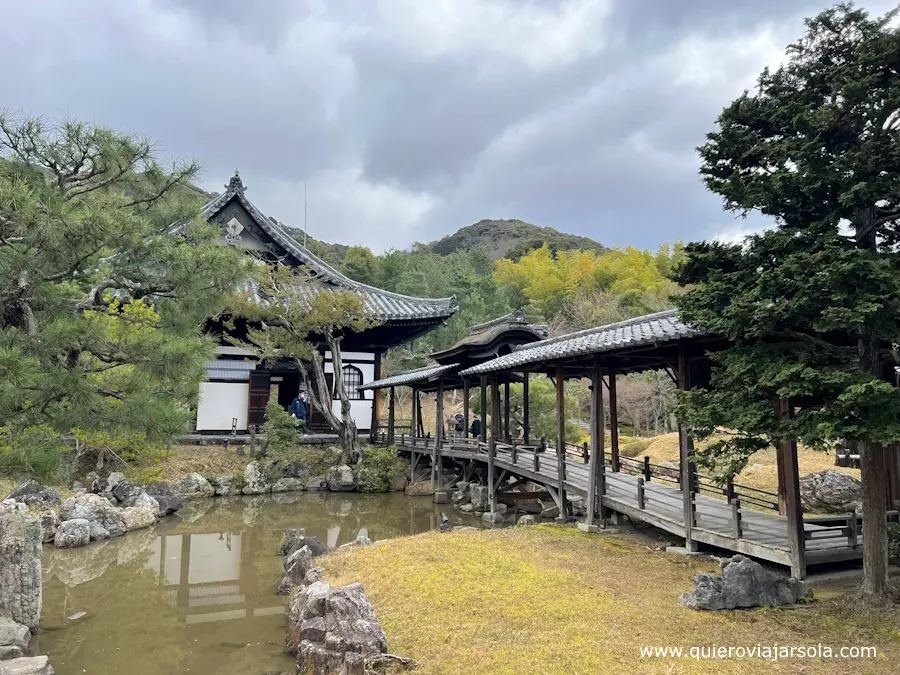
[{"x": 197, "y": 592}]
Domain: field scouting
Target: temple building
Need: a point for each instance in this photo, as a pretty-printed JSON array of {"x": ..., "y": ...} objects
[{"x": 238, "y": 386}]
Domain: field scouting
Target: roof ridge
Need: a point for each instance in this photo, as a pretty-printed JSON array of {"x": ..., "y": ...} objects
[
  {"x": 235, "y": 189},
  {"x": 599, "y": 329},
  {"x": 516, "y": 316}
]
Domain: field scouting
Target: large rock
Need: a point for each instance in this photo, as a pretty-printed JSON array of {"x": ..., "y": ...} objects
[
  {"x": 288, "y": 485},
  {"x": 341, "y": 479},
  {"x": 125, "y": 490},
  {"x": 112, "y": 481},
  {"x": 14, "y": 638},
  {"x": 105, "y": 519},
  {"x": 20, "y": 568},
  {"x": 143, "y": 513},
  {"x": 193, "y": 486},
  {"x": 34, "y": 494},
  {"x": 34, "y": 665},
  {"x": 168, "y": 505},
  {"x": 479, "y": 497},
  {"x": 744, "y": 583},
  {"x": 225, "y": 486},
  {"x": 333, "y": 628},
  {"x": 292, "y": 541},
  {"x": 49, "y": 525},
  {"x": 159, "y": 490},
  {"x": 73, "y": 534},
  {"x": 830, "y": 491},
  {"x": 296, "y": 566},
  {"x": 255, "y": 481}
]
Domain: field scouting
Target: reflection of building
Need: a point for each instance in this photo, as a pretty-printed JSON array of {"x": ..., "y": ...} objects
[{"x": 211, "y": 576}]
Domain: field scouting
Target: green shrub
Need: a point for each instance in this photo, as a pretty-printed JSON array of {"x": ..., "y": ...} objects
[
  {"x": 146, "y": 475},
  {"x": 379, "y": 467},
  {"x": 634, "y": 448},
  {"x": 240, "y": 482},
  {"x": 34, "y": 453},
  {"x": 893, "y": 533},
  {"x": 280, "y": 429}
]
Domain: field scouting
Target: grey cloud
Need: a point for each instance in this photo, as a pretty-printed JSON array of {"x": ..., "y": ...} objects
[{"x": 325, "y": 91}]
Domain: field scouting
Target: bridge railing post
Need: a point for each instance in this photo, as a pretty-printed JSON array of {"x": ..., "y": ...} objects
[
  {"x": 515, "y": 452},
  {"x": 640, "y": 493},
  {"x": 585, "y": 453},
  {"x": 647, "y": 468},
  {"x": 737, "y": 529}
]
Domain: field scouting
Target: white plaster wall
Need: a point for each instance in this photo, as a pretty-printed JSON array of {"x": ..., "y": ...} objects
[
  {"x": 360, "y": 411},
  {"x": 220, "y": 402}
]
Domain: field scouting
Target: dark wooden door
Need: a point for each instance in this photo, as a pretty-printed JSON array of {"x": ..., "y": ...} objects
[{"x": 259, "y": 397}]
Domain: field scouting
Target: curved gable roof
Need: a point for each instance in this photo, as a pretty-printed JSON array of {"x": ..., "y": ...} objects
[{"x": 385, "y": 304}]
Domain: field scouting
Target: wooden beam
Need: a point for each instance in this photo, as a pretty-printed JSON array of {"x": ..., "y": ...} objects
[
  {"x": 376, "y": 399},
  {"x": 506, "y": 433},
  {"x": 793, "y": 509},
  {"x": 561, "y": 440},
  {"x": 465, "y": 407},
  {"x": 436, "y": 476},
  {"x": 526, "y": 421},
  {"x": 492, "y": 444},
  {"x": 484, "y": 410},
  {"x": 686, "y": 448},
  {"x": 613, "y": 420},
  {"x": 391, "y": 407},
  {"x": 596, "y": 463}
]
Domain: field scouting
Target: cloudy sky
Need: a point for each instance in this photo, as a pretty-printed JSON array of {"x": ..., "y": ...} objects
[{"x": 411, "y": 118}]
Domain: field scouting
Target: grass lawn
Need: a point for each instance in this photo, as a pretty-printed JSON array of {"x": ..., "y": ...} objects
[{"x": 551, "y": 600}]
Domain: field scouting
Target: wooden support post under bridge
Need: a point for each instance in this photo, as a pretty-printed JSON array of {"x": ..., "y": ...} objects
[
  {"x": 492, "y": 443},
  {"x": 561, "y": 441}
]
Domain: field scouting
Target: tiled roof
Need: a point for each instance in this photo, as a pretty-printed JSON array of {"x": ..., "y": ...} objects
[
  {"x": 649, "y": 329},
  {"x": 384, "y": 304},
  {"x": 410, "y": 377},
  {"x": 485, "y": 333}
]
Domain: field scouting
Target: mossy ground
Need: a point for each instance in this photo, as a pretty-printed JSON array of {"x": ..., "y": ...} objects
[{"x": 552, "y": 600}]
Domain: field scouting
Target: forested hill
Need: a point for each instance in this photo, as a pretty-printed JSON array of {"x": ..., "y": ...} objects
[
  {"x": 498, "y": 238},
  {"x": 511, "y": 239}
]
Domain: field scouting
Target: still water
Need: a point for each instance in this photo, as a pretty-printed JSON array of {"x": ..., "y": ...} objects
[{"x": 196, "y": 593}]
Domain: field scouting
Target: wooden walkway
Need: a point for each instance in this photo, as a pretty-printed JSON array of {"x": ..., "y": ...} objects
[{"x": 659, "y": 502}]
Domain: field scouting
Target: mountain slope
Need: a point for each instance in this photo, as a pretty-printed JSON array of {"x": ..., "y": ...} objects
[{"x": 501, "y": 238}]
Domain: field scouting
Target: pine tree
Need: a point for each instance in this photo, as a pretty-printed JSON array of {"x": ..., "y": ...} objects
[
  {"x": 812, "y": 306},
  {"x": 294, "y": 317},
  {"x": 103, "y": 299}
]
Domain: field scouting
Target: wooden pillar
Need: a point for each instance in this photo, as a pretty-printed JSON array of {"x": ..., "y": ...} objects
[
  {"x": 492, "y": 445},
  {"x": 413, "y": 419},
  {"x": 526, "y": 420},
  {"x": 507, "y": 436},
  {"x": 613, "y": 421},
  {"x": 436, "y": 476},
  {"x": 561, "y": 440},
  {"x": 419, "y": 423},
  {"x": 596, "y": 468},
  {"x": 686, "y": 449},
  {"x": 465, "y": 407},
  {"x": 484, "y": 410},
  {"x": 391, "y": 407},
  {"x": 376, "y": 399},
  {"x": 793, "y": 509}
]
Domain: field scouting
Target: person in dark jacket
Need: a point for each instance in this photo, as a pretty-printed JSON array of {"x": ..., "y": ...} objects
[
  {"x": 299, "y": 408},
  {"x": 475, "y": 429}
]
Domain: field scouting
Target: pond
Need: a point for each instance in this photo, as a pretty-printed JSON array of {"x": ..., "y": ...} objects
[{"x": 196, "y": 593}]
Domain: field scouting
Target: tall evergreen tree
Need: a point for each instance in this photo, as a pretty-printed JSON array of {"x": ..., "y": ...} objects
[
  {"x": 813, "y": 306},
  {"x": 103, "y": 297}
]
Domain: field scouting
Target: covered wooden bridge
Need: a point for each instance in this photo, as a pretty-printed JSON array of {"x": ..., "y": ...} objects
[{"x": 696, "y": 507}]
